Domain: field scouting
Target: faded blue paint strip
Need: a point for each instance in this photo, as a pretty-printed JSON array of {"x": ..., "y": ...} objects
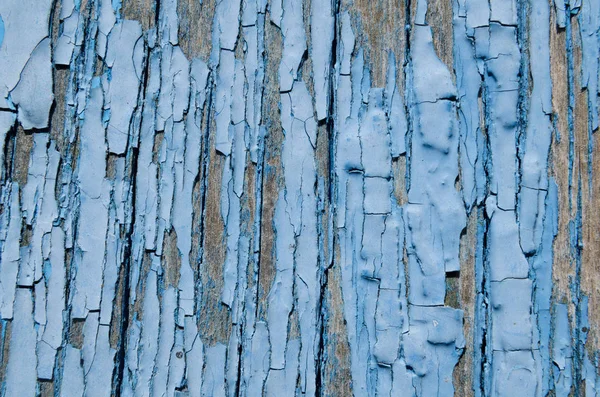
[{"x": 1, "y": 30}]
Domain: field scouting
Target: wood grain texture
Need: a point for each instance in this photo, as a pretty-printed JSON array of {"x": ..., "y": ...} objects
[{"x": 280, "y": 197}]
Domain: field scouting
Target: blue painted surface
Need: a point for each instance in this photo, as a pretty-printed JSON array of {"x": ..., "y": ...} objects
[
  {"x": 226, "y": 226},
  {"x": 1, "y": 30}
]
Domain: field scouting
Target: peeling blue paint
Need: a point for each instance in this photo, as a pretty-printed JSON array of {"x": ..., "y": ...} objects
[{"x": 108, "y": 284}]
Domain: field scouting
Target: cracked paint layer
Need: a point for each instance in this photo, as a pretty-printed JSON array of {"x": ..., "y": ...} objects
[{"x": 269, "y": 218}]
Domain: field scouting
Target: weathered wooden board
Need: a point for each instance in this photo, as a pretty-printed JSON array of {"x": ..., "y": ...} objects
[{"x": 285, "y": 197}]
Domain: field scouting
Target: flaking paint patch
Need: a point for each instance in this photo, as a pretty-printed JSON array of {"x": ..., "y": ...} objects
[{"x": 279, "y": 215}]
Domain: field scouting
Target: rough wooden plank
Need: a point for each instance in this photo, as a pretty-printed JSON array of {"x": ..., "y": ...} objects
[{"x": 274, "y": 197}]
